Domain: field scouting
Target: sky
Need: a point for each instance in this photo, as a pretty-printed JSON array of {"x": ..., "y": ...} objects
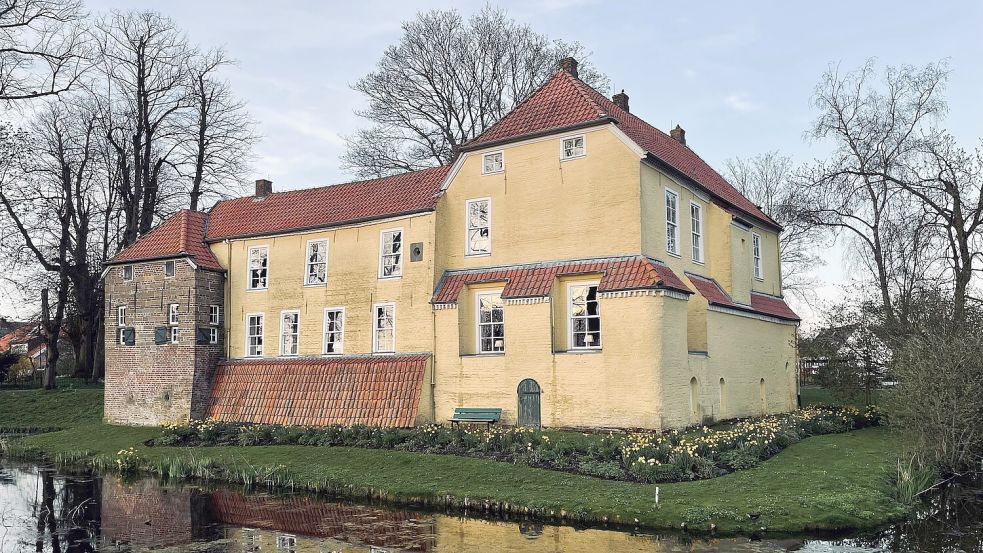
[{"x": 738, "y": 76}]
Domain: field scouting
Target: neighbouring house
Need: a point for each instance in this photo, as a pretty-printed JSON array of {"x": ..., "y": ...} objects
[{"x": 574, "y": 266}]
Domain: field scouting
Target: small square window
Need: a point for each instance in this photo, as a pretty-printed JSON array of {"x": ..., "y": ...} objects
[
  {"x": 175, "y": 334},
  {"x": 127, "y": 272},
  {"x": 572, "y": 147},
  {"x": 169, "y": 268},
  {"x": 213, "y": 315},
  {"x": 492, "y": 163}
]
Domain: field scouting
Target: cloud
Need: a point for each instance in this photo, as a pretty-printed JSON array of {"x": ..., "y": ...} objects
[{"x": 741, "y": 103}]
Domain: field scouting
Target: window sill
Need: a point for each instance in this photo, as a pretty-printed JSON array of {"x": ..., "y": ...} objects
[
  {"x": 488, "y": 254},
  {"x": 581, "y": 156},
  {"x": 579, "y": 351},
  {"x": 396, "y": 277},
  {"x": 486, "y": 354},
  {"x": 699, "y": 262},
  {"x": 673, "y": 254},
  {"x": 321, "y": 285},
  {"x": 256, "y": 289},
  {"x": 484, "y": 174}
]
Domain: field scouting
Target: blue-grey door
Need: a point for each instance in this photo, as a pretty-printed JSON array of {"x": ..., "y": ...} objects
[{"x": 529, "y": 392}]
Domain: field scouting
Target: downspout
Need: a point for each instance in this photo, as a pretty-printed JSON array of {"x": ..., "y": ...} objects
[{"x": 227, "y": 294}]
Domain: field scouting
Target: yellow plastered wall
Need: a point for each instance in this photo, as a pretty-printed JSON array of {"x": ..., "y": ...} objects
[
  {"x": 561, "y": 309},
  {"x": 352, "y": 283},
  {"x": 740, "y": 260},
  {"x": 653, "y": 223},
  {"x": 467, "y": 309},
  {"x": 543, "y": 208},
  {"x": 771, "y": 283}
]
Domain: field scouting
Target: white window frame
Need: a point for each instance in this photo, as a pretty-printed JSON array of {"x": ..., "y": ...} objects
[
  {"x": 214, "y": 315},
  {"x": 119, "y": 334},
  {"x": 282, "y": 353},
  {"x": 478, "y": 324},
  {"x": 308, "y": 264},
  {"x": 261, "y": 335},
  {"x": 376, "y": 329},
  {"x": 173, "y": 264},
  {"x": 121, "y": 315},
  {"x": 340, "y": 335},
  {"x": 672, "y": 224},
  {"x": 759, "y": 271},
  {"x": 571, "y": 342},
  {"x": 124, "y": 269},
  {"x": 213, "y": 335},
  {"x": 467, "y": 228},
  {"x": 175, "y": 335},
  {"x": 484, "y": 168},
  {"x": 173, "y": 314},
  {"x": 696, "y": 231},
  {"x": 563, "y": 148},
  {"x": 382, "y": 254},
  {"x": 249, "y": 269}
]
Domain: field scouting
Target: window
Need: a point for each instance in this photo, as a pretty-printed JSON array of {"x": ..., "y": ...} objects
[
  {"x": 491, "y": 323},
  {"x": 258, "y": 265},
  {"x": 317, "y": 263},
  {"x": 175, "y": 334},
  {"x": 384, "y": 328},
  {"x": 585, "y": 321},
  {"x": 672, "y": 222},
  {"x": 212, "y": 335},
  {"x": 127, "y": 272},
  {"x": 756, "y": 255},
  {"x": 696, "y": 224},
  {"x": 492, "y": 163},
  {"x": 391, "y": 253},
  {"x": 213, "y": 314},
  {"x": 121, "y": 315},
  {"x": 334, "y": 330},
  {"x": 572, "y": 147},
  {"x": 286, "y": 542},
  {"x": 254, "y": 335},
  {"x": 172, "y": 314},
  {"x": 169, "y": 269},
  {"x": 478, "y": 227},
  {"x": 122, "y": 336},
  {"x": 289, "y": 332}
]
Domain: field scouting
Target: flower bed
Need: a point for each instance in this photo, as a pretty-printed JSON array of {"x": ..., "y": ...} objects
[{"x": 669, "y": 456}]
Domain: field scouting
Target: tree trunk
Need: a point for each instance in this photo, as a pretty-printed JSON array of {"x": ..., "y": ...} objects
[{"x": 51, "y": 331}]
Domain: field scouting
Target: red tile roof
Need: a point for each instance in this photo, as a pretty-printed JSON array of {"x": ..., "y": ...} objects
[
  {"x": 536, "y": 279},
  {"x": 373, "y": 390},
  {"x": 762, "y": 304},
  {"x": 565, "y": 101},
  {"x": 181, "y": 235},
  {"x": 326, "y": 206}
]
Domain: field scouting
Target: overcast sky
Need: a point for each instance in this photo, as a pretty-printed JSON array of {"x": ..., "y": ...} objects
[{"x": 736, "y": 75}]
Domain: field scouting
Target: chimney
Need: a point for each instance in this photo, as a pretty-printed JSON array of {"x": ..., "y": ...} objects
[
  {"x": 679, "y": 135},
  {"x": 621, "y": 100},
  {"x": 570, "y": 66},
  {"x": 263, "y": 188}
]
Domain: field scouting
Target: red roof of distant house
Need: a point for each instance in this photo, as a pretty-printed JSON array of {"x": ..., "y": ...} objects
[
  {"x": 326, "y": 206},
  {"x": 183, "y": 234},
  {"x": 24, "y": 332},
  {"x": 762, "y": 304},
  {"x": 565, "y": 101},
  {"x": 378, "y": 391},
  {"x": 536, "y": 279}
]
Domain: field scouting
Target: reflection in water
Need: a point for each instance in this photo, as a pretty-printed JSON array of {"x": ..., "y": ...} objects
[{"x": 45, "y": 511}]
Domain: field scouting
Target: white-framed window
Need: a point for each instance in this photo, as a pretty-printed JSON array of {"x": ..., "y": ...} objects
[
  {"x": 696, "y": 229},
  {"x": 286, "y": 542},
  {"x": 175, "y": 334},
  {"x": 213, "y": 315},
  {"x": 289, "y": 332},
  {"x": 121, "y": 335},
  {"x": 584, "y": 315},
  {"x": 756, "y": 255},
  {"x": 212, "y": 335},
  {"x": 573, "y": 147},
  {"x": 316, "y": 272},
  {"x": 384, "y": 328},
  {"x": 254, "y": 335},
  {"x": 672, "y": 222},
  {"x": 334, "y": 331},
  {"x": 493, "y": 162},
  {"x": 478, "y": 231},
  {"x": 172, "y": 314},
  {"x": 127, "y": 272},
  {"x": 258, "y": 266},
  {"x": 121, "y": 315},
  {"x": 170, "y": 268},
  {"x": 490, "y": 320},
  {"x": 391, "y": 253}
]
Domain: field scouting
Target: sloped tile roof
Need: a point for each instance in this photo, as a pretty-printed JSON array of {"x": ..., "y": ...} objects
[
  {"x": 373, "y": 390},
  {"x": 183, "y": 234},
  {"x": 327, "y": 205},
  {"x": 536, "y": 279},
  {"x": 565, "y": 101},
  {"x": 762, "y": 304}
]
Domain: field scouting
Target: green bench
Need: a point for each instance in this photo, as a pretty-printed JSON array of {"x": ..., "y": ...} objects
[{"x": 485, "y": 415}]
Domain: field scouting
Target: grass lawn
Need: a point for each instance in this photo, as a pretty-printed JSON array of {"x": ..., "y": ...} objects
[{"x": 834, "y": 481}]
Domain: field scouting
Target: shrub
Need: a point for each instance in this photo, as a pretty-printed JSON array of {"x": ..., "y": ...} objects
[{"x": 602, "y": 469}]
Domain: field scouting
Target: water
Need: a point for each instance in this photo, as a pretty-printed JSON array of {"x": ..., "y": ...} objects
[{"x": 43, "y": 509}]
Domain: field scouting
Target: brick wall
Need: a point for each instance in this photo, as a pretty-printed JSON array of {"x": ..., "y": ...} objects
[{"x": 148, "y": 383}]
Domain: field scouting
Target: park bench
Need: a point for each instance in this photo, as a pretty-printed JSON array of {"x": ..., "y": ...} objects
[{"x": 485, "y": 415}]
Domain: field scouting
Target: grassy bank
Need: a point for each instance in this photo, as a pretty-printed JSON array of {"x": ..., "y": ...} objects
[{"x": 835, "y": 481}]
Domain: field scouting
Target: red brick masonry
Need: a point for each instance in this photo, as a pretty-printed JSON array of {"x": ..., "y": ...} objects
[{"x": 373, "y": 390}]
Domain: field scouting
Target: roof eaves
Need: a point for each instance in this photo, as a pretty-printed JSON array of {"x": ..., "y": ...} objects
[{"x": 212, "y": 240}]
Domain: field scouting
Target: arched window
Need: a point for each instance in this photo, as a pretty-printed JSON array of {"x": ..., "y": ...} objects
[
  {"x": 694, "y": 406},
  {"x": 763, "y": 396},
  {"x": 723, "y": 399}
]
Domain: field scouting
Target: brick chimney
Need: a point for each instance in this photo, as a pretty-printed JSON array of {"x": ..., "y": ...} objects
[
  {"x": 570, "y": 66},
  {"x": 263, "y": 188},
  {"x": 621, "y": 100},
  {"x": 679, "y": 135}
]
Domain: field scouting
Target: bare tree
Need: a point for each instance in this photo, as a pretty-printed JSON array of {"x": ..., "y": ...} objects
[{"x": 446, "y": 81}]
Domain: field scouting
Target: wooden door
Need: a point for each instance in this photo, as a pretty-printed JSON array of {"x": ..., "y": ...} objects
[{"x": 529, "y": 393}]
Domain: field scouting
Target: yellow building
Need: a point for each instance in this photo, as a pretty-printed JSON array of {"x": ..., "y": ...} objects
[{"x": 574, "y": 266}]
